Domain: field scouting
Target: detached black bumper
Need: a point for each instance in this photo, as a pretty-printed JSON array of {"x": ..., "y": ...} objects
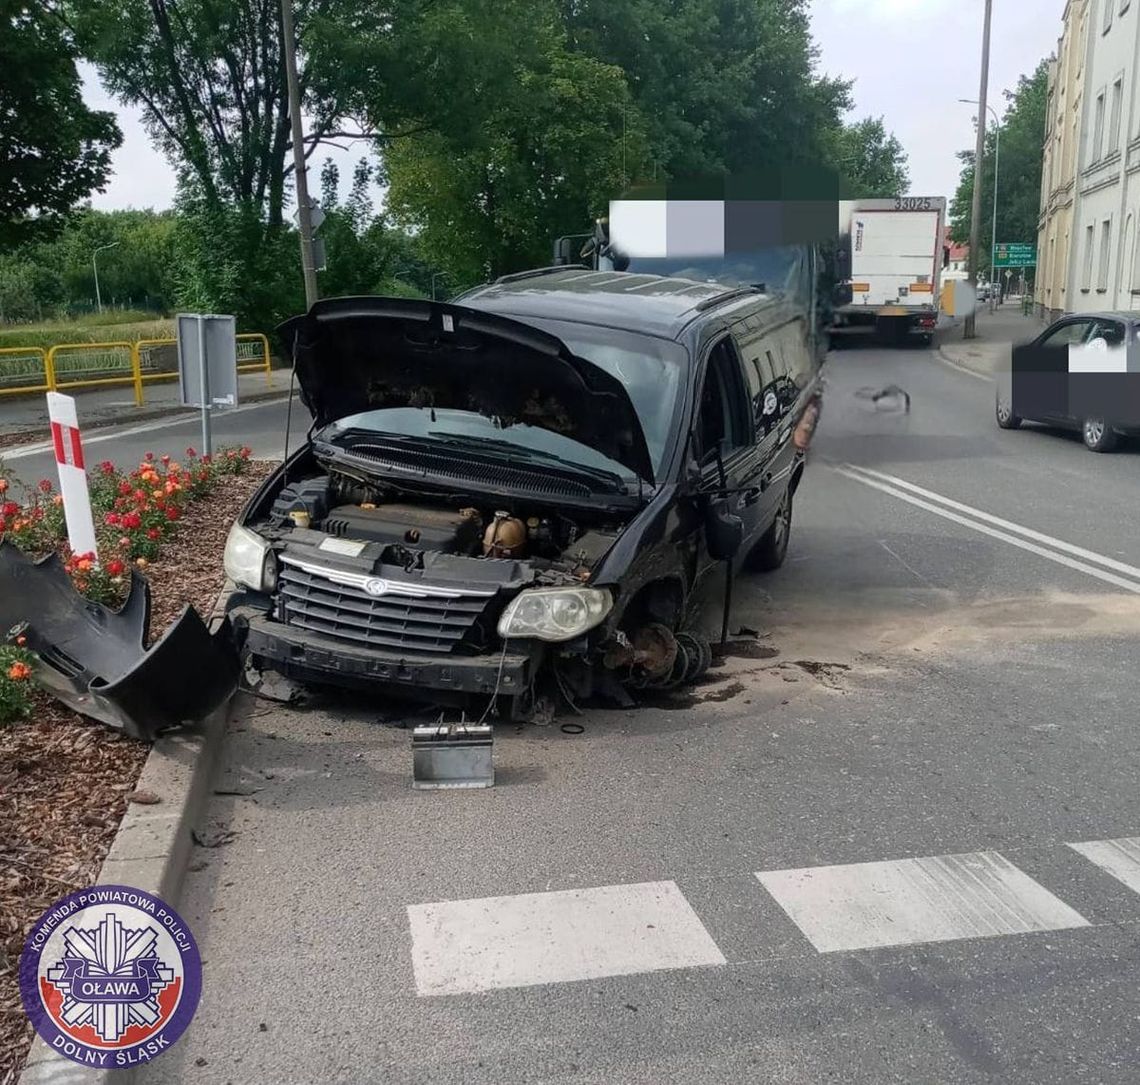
[
  {"x": 306, "y": 655},
  {"x": 96, "y": 660}
]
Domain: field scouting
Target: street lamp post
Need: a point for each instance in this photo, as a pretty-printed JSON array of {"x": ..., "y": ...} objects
[
  {"x": 95, "y": 270},
  {"x": 997, "y": 159}
]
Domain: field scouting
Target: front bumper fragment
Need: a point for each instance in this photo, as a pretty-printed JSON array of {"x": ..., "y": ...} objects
[
  {"x": 307, "y": 655},
  {"x": 95, "y": 659}
]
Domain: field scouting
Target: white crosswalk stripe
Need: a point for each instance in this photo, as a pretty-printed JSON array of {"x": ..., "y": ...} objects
[
  {"x": 865, "y": 905},
  {"x": 531, "y": 939},
  {"x": 1120, "y": 858},
  {"x": 465, "y": 946}
]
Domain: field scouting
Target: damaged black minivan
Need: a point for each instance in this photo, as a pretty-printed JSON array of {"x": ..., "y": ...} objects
[{"x": 524, "y": 486}]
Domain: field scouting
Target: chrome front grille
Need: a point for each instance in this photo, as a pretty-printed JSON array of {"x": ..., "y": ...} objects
[{"x": 375, "y": 612}]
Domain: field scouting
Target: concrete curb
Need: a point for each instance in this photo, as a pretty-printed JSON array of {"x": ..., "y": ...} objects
[
  {"x": 149, "y": 852},
  {"x": 957, "y": 363}
]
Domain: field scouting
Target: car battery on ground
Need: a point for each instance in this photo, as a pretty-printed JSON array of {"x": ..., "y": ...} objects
[{"x": 456, "y": 755}]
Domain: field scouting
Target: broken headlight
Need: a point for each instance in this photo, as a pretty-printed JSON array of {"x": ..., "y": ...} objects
[
  {"x": 555, "y": 614},
  {"x": 247, "y": 560}
]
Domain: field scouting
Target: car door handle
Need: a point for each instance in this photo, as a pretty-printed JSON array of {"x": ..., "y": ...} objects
[{"x": 753, "y": 495}]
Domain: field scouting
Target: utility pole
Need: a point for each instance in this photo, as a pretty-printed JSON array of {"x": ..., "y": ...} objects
[
  {"x": 993, "y": 220},
  {"x": 979, "y": 155},
  {"x": 304, "y": 211}
]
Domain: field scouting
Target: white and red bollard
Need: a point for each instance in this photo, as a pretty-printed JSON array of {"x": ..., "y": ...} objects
[{"x": 72, "y": 474}]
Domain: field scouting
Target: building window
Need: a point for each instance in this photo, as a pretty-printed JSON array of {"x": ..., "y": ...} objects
[
  {"x": 1136, "y": 265},
  {"x": 1114, "y": 115},
  {"x": 1086, "y": 277},
  {"x": 1098, "y": 129},
  {"x": 1125, "y": 253},
  {"x": 1105, "y": 254}
]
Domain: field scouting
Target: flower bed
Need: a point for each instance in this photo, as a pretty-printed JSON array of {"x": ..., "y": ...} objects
[
  {"x": 65, "y": 782},
  {"x": 136, "y": 513}
]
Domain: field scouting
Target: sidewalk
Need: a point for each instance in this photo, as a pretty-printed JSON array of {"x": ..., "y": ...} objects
[
  {"x": 996, "y": 333},
  {"x": 101, "y": 406}
]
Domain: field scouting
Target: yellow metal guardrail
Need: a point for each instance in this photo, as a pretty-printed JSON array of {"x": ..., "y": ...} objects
[
  {"x": 26, "y": 362},
  {"x": 89, "y": 365}
]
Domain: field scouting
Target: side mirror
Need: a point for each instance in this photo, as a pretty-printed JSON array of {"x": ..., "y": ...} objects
[
  {"x": 564, "y": 252},
  {"x": 842, "y": 294},
  {"x": 724, "y": 530}
]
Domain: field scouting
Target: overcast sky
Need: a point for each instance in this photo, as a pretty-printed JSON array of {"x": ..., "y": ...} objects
[{"x": 911, "y": 61}]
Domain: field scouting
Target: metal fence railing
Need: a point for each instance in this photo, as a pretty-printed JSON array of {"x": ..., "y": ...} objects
[{"x": 69, "y": 366}]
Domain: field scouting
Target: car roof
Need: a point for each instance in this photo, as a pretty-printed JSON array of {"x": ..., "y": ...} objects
[{"x": 650, "y": 304}]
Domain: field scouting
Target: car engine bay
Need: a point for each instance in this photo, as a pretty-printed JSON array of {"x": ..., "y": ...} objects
[{"x": 412, "y": 530}]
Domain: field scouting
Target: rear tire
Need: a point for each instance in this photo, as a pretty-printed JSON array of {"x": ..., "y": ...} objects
[
  {"x": 1098, "y": 435},
  {"x": 1003, "y": 412},
  {"x": 770, "y": 551}
]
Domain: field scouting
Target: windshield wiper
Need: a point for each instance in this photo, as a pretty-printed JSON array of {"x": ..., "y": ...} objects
[{"x": 513, "y": 453}]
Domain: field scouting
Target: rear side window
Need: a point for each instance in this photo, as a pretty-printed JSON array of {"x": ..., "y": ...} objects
[{"x": 766, "y": 373}]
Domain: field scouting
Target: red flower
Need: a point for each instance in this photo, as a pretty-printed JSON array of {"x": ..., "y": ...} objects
[
  {"x": 107, "y": 467},
  {"x": 149, "y": 457},
  {"x": 207, "y": 459},
  {"x": 125, "y": 543},
  {"x": 153, "y": 534},
  {"x": 19, "y": 671},
  {"x": 172, "y": 514},
  {"x": 165, "y": 460},
  {"x": 132, "y": 520},
  {"x": 246, "y": 452},
  {"x": 112, "y": 518},
  {"x": 115, "y": 567},
  {"x": 44, "y": 485},
  {"x": 191, "y": 453},
  {"x": 140, "y": 497},
  {"x": 10, "y": 508},
  {"x": 124, "y": 488}
]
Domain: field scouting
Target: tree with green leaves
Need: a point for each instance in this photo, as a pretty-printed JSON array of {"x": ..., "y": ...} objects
[
  {"x": 529, "y": 139},
  {"x": 1019, "y": 169},
  {"x": 54, "y": 150},
  {"x": 209, "y": 78},
  {"x": 725, "y": 86},
  {"x": 871, "y": 160}
]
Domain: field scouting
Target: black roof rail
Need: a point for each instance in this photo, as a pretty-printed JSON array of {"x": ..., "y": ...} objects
[
  {"x": 535, "y": 272},
  {"x": 720, "y": 299}
]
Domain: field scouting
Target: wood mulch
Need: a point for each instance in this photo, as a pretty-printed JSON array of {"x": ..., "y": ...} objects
[{"x": 65, "y": 782}]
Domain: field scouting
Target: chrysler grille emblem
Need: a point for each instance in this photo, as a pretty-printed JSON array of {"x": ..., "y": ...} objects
[{"x": 375, "y": 586}]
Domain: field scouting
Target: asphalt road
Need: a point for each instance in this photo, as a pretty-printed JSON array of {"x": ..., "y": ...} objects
[
  {"x": 259, "y": 425},
  {"x": 844, "y": 859}
]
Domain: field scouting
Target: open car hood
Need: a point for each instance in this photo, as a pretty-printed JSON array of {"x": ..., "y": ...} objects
[{"x": 370, "y": 353}]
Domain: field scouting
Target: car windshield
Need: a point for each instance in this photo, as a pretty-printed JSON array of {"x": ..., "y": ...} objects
[
  {"x": 648, "y": 367},
  {"x": 779, "y": 269}
]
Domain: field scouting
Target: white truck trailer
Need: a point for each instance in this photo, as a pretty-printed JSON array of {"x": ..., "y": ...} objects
[{"x": 891, "y": 257}]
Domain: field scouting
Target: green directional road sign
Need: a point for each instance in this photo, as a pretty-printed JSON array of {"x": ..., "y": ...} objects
[{"x": 1015, "y": 255}]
